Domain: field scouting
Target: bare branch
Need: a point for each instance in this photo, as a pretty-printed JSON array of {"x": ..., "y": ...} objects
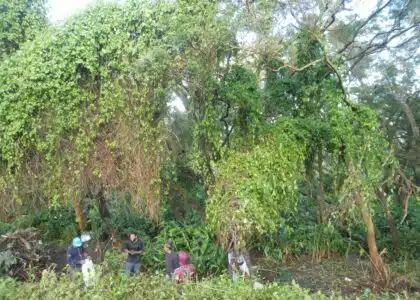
[
  {"x": 325, "y": 28},
  {"x": 332, "y": 18},
  {"x": 373, "y": 47},
  {"x": 296, "y": 69},
  {"x": 409, "y": 190},
  {"x": 414, "y": 128},
  {"x": 371, "y": 17}
]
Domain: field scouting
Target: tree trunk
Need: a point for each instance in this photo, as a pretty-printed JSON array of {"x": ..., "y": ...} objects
[
  {"x": 321, "y": 192},
  {"x": 80, "y": 216},
  {"x": 103, "y": 208},
  {"x": 415, "y": 131},
  {"x": 396, "y": 244},
  {"x": 379, "y": 268},
  {"x": 309, "y": 161}
]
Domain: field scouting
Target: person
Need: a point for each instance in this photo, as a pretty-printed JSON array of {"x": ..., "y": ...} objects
[
  {"x": 171, "y": 260},
  {"x": 75, "y": 256},
  {"x": 238, "y": 265},
  {"x": 133, "y": 248},
  {"x": 88, "y": 271},
  {"x": 186, "y": 271}
]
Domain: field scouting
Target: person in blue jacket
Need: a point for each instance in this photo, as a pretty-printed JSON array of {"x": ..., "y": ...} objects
[{"x": 75, "y": 256}]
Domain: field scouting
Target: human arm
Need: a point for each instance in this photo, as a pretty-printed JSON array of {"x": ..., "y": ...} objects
[
  {"x": 83, "y": 252},
  {"x": 139, "y": 249},
  {"x": 124, "y": 248}
]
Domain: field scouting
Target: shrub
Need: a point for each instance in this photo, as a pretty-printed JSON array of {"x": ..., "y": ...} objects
[
  {"x": 5, "y": 227},
  {"x": 113, "y": 286},
  {"x": 124, "y": 218},
  {"x": 199, "y": 241},
  {"x": 56, "y": 224},
  {"x": 301, "y": 235}
]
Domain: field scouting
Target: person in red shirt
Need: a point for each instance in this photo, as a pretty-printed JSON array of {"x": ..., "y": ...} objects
[{"x": 186, "y": 271}]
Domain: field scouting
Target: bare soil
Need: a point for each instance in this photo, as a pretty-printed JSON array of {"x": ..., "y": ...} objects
[{"x": 349, "y": 277}]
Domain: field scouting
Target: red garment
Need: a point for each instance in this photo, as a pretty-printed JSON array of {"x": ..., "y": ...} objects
[{"x": 186, "y": 271}]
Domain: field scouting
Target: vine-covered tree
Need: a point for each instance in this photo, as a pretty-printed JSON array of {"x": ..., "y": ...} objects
[
  {"x": 282, "y": 112},
  {"x": 20, "y": 21}
]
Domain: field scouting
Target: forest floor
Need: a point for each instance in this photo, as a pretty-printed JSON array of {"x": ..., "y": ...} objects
[
  {"x": 349, "y": 276},
  {"x": 59, "y": 256}
]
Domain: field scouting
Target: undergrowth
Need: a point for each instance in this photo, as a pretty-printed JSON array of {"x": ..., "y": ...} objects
[{"x": 117, "y": 286}]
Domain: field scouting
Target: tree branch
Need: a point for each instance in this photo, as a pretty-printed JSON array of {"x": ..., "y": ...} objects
[
  {"x": 372, "y": 16},
  {"x": 300, "y": 69}
]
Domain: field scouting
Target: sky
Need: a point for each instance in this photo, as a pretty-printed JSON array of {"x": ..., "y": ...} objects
[{"x": 60, "y": 10}]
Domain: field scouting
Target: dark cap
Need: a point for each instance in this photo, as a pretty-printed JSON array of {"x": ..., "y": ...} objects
[{"x": 169, "y": 244}]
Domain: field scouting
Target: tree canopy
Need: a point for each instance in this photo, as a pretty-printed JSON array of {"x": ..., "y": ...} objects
[{"x": 286, "y": 102}]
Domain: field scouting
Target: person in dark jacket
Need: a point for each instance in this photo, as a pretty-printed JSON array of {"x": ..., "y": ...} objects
[
  {"x": 171, "y": 260},
  {"x": 75, "y": 256},
  {"x": 133, "y": 247}
]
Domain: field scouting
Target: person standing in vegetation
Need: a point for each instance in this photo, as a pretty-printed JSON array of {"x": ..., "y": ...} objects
[
  {"x": 171, "y": 260},
  {"x": 75, "y": 256},
  {"x": 186, "y": 271},
  {"x": 237, "y": 265},
  {"x": 133, "y": 248}
]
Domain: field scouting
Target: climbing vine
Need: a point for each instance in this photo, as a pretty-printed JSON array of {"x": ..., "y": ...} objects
[
  {"x": 80, "y": 89},
  {"x": 254, "y": 187}
]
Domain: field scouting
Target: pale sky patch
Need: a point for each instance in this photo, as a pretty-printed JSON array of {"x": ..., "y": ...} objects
[{"x": 61, "y": 10}]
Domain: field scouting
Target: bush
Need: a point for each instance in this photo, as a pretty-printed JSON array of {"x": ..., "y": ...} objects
[
  {"x": 56, "y": 224},
  {"x": 409, "y": 231},
  {"x": 301, "y": 235},
  {"x": 111, "y": 286},
  {"x": 198, "y": 241},
  {"x": 124, "y": 218},
  {"x": 5, "y": 227}
]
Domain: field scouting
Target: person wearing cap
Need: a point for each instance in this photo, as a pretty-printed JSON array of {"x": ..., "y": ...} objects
[
  {"x": 133, "y": 247},
  {"x": 171, "y": 260},
  {"x": 75, "y": 256}
]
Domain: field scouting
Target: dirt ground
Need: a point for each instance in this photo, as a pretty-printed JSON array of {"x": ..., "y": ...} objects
[
  {"x": 59, "y": 255},
  {"x": 349, "y": 276}
]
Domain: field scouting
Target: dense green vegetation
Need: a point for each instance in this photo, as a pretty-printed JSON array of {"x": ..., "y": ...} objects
[
  {"x": 155, "y": 287},
  {"x": 295, "y": 136}
]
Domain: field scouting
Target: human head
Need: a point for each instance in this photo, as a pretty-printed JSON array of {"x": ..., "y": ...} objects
[
  {"x": 77, "y": 242},
  {"x": 132, "y": 236},
  {"x": 168, "y": 246},
  {"x": 183, "y": 258}
]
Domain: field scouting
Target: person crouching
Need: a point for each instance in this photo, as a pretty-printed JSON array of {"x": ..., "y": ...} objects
[{"x": 75, "y": 256}]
